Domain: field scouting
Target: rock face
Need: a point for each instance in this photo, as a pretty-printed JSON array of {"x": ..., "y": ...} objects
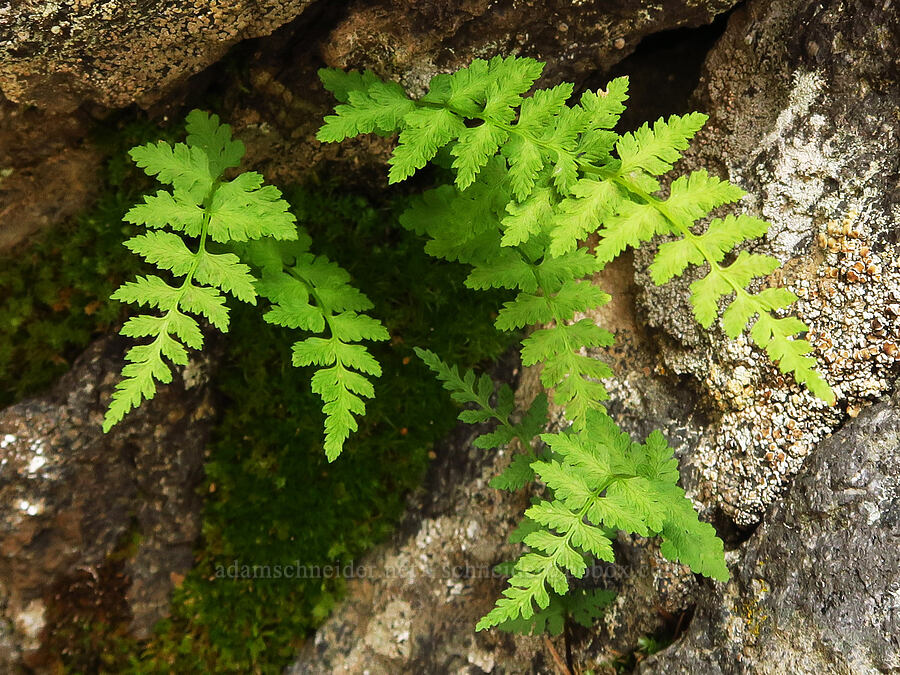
[
  {"x": 76, "y": 501},
  {"x": 817, "y": 587},
  {"x": 59, "y": 55},
  {"x": 802, "y": 99},
  {"x": 47, "y": 172}
]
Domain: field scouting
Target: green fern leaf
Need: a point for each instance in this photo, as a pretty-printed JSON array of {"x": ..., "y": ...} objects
[
  {"x": 205, "y": 132},
  {"x": 427, "y": 130},
  {"x": 186, "y": 169},
  {"x": 341, "y": 83},
  {"x": 603, "y": 108},
  {"x": 196, "y": 207},
  {"x": 380, "y": 106},
  {"x": 178, "y": 211},
  {"x": 476, "y": 145},
  {"x": 244, "y": 209}
]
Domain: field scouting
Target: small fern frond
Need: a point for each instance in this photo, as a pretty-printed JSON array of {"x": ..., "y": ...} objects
[
  {"x": 601, "y": 483},
  {"x": 313, "y": 294},
  {"x": 197, "y": 208}
]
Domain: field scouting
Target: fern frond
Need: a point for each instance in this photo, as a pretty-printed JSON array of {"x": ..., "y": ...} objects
[
  {"x": 342, "y": 82},
  {"x": 186, "y": 169},
  {"x": 534, "y": 177},
  {"x": 314, "y": 294},
  {"x": 559, "y": 179},
  {"x": 655, "y": 149},
  {"x": 244, "y": 208},
  {"x": 427, "y": 131},
  {"x": 603, "y": 482},
  {"x": 199, "y": 206},
  {"x": 582, "y": 606}
]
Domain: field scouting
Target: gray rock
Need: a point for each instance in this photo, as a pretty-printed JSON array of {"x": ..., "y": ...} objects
[
  {"x": 59, "y": 55},
  {"x": 817, "y": 587},
  {"x": 73, "y": 498},
  {"x": 803, "y": 100}
]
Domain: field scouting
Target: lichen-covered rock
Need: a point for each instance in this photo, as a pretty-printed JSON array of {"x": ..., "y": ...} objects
[
  {"x": 59, "y": 55},
  {"x": 414, "y": 39},
  {"x": 803, "y": 100},
  {"x": 74, "y": 499},
  {"x": 816, "y": 590}
]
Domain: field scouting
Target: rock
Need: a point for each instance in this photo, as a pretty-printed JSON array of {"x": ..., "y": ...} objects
[
  {"x": 816, "y": 589},
  {"x": 59, "y": 56},
  {"x": 414, "y": 39},
  {"x": 412, "y": 605},
  {"x": 84, "y": 510},
  {"x": 802, "y": 98},
  {"x": 47, "y": 172}
]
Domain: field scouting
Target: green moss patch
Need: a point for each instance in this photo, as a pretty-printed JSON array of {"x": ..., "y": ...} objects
[{"x": 273, "y": 501}]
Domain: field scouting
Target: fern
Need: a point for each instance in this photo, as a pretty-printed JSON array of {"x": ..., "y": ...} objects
[
  {"x": 601, "y": 482},
  {"x": 313, "y": 294},
  {"x": 582, "y": 606},
  {"x": 533, "y": 176},
  {"x": 200, "y": 205},
  {"x": 550, "y": 173},
  {"x": 204, "y": 211}
]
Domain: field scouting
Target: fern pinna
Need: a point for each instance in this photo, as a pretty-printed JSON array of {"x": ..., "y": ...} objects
[
  {"x": 211, "y": 220},
  {"x": 532, "y": 177}
]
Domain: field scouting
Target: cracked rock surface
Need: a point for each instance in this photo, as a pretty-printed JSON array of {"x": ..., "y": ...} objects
[
  {"x": 59, "y": 55},
  {"x": 816, "y": 589},
  {"x": 75, "y": 500}
]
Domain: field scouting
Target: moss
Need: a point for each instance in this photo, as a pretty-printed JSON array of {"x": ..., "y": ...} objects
[{"x": 271, "y": 498}]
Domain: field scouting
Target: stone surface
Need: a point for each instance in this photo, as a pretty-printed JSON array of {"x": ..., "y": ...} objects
[
  {"x": 802, "y": 98},
  {"x": 816, "y": 590},
  {"x": 59, "y": 55},
  {"x": 74, "y": 499},
  {"x": 47, "y": 172},
  {"x": 414, "y": 39}
]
